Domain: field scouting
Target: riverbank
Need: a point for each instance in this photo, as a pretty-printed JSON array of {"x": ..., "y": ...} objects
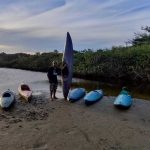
[{"x": 43, "y": 124}]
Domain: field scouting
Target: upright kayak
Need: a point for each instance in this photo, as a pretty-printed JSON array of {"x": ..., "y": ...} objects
[
  {"x": 7, "y": 98},
  {"x": 123, "y": 100},
  {"x": 76, "y": 94},
  {"x": 93, "y": 97},
  {"x": 67, "y": 68},
  {"x": 25, "y": 91}
]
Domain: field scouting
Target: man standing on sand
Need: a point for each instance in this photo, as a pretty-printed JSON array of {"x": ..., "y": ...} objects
[{"x": 52, "y": 77}]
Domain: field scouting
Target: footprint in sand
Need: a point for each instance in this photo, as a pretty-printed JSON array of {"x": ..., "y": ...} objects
[
  {"x": 39, "y": 147},
  {"x": 124, "y": 119},
  {"x": 143, "y": 120}
]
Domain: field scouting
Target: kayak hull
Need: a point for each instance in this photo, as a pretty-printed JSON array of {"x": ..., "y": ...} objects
[
  {"x": 123, "y": 101},
  {"x": 76, "y": 94},
  {"x": 26, "y": 94},
  {"x": 68, "y": 59},
  {"x": 7, "y": 99},
  {"x": 93, "y": 97}
]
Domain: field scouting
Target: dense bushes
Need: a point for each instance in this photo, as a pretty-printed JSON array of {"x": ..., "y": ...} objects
[{"x": 130, "y": 64}]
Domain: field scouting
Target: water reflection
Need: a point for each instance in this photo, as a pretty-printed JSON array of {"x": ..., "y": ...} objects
[{"x": 111, "y": 89}]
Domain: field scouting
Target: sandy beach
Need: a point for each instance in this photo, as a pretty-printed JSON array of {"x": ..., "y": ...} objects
[{"x": 60, "y": 125}]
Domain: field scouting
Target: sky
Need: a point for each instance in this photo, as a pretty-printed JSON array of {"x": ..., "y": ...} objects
[{"x": 41, "y": 25}]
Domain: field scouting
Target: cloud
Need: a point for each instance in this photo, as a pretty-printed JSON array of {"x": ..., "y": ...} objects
[{"x": 42, "y": 24}]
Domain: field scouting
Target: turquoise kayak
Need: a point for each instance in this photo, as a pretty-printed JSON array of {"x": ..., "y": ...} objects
[
  {"x": 123, "y": 100},
  {"x": 93, "y": 96},
  {"x": 76, "y": 94}
]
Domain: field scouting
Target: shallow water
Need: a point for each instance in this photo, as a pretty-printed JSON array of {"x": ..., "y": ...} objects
[{"x": 11, "y": 78}]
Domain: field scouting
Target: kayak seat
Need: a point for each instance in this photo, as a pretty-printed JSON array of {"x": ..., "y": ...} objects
[
  {"x": 6, "y": 95},
  {"x": 25, "y": 88}
]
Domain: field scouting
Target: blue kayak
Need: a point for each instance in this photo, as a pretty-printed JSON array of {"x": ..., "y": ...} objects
[
  {"x": 93, "y": 97},
  {"x": 123, "y": 100},
  {"x": 68, "y": 60},
  {"x": 76, "y": 94}
]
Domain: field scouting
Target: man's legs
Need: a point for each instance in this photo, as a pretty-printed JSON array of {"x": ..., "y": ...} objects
[
  {"x": 54, "y": 91},
  {"x": 51, "y": 91},
  {"x": 53, "y": 88},
  {"x": 54, "y": 94}
]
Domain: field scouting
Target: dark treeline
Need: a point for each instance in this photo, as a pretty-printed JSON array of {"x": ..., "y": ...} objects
[
  {"x": 120, "y": 63},
  {"x": 37, "y": 62},
  {"x": 128, "y": 64}
]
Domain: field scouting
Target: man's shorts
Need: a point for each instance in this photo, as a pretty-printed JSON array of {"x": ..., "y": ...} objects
[{"x": 53, "y": 86}]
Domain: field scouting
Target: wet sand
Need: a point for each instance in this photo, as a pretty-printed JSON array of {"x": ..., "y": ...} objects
[{"x": 60, "y": 125}]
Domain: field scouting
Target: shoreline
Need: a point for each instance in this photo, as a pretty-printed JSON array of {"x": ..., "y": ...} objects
[{"x": 43, "y": 124}]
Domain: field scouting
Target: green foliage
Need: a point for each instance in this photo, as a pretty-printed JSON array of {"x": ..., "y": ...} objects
[
  {"x": 37, "y": 62},
  {"x": 120, "y": 63},
  {"x": 124, "y": 63},
  {"x": 141, "y": 38}
]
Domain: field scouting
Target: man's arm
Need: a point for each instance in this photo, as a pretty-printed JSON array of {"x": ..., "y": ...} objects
[{"x": 49, "y": 73}]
